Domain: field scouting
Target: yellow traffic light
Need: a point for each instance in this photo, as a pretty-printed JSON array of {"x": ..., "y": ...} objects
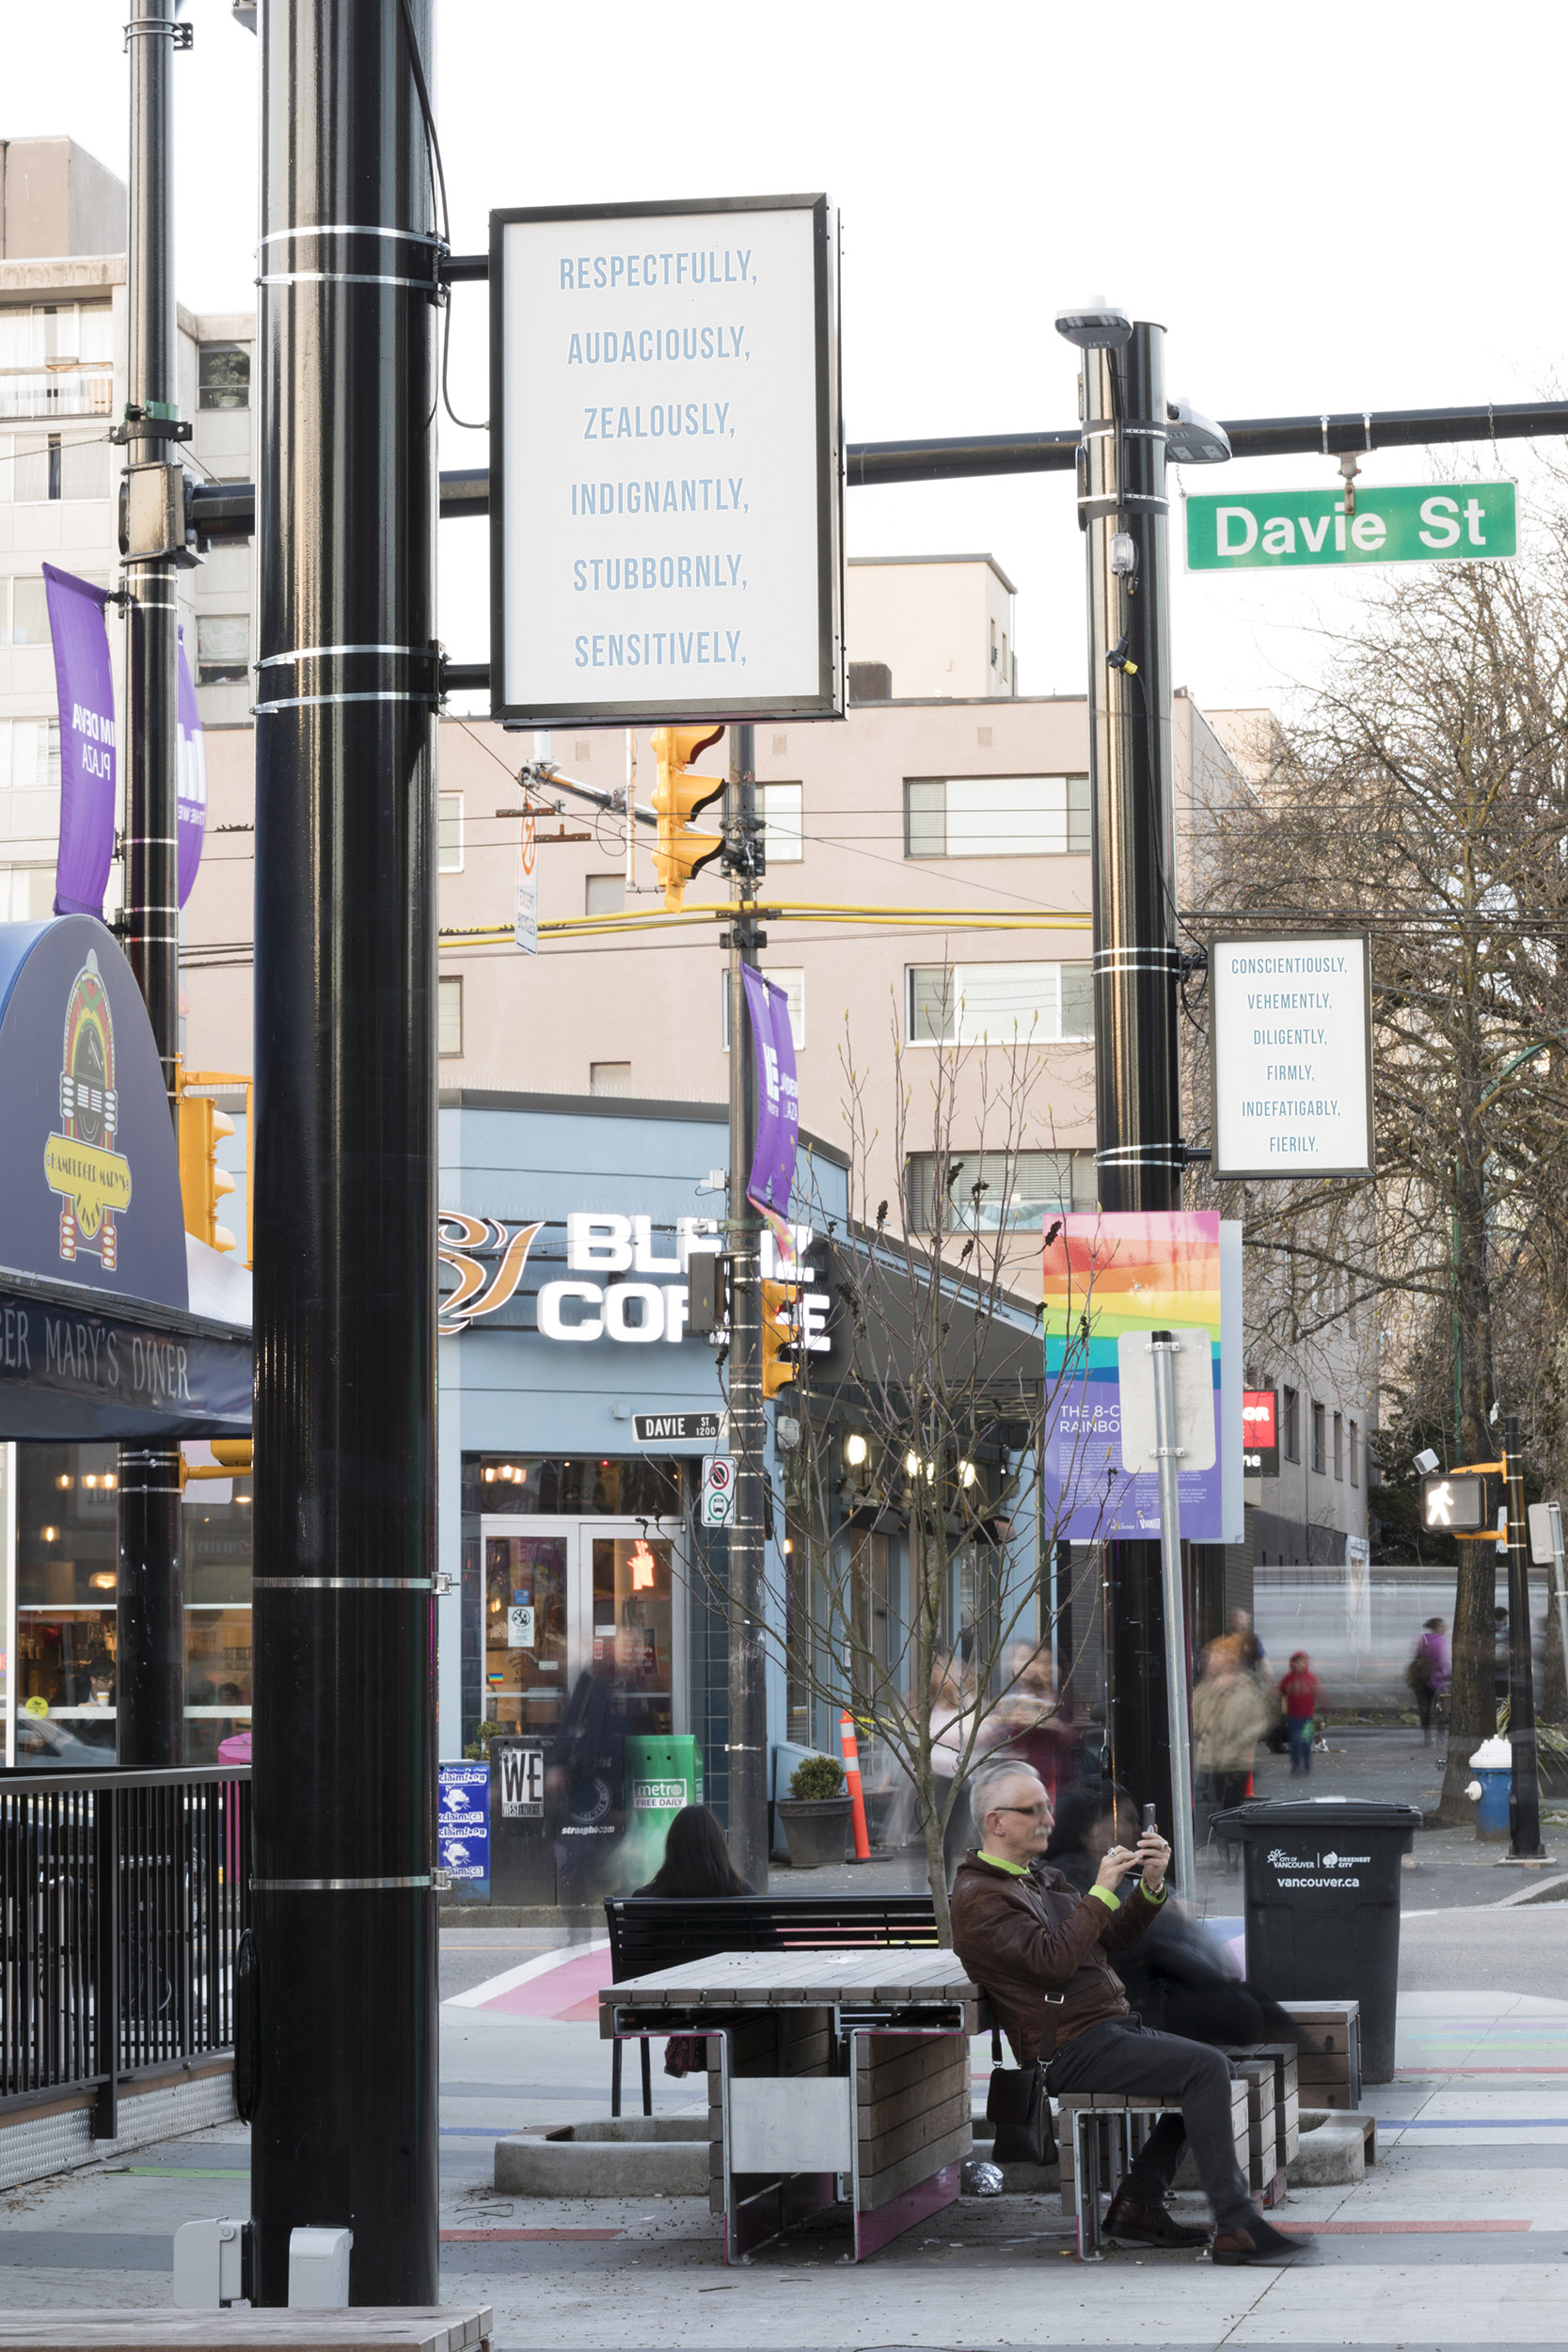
[
  {"x": 677, "y": 796},
  {"x": 203, "y": 1182},
  {"x": 231, "y": 1458},
  {"x": 778, "y": 1332}
]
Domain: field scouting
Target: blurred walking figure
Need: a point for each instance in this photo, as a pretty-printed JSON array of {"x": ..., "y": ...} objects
[
  {"x": 951, "y": 1714},
  {"x": 1298, "y": 1687},
  {"x": 1430, "y": 1672},
  {"x": 1229, "y": 1715},
  {"x": 1031, "y": 1722}
]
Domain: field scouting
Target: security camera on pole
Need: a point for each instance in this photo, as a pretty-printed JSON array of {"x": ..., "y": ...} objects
[{"x": 1128, "y": 430}]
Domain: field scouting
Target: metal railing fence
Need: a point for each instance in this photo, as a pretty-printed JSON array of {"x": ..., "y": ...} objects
[{"x": 123, "y": 1897}]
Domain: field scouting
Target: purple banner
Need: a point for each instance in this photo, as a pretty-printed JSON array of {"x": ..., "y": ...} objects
[
  {"x": 85, "y": 689},
  {"x": 772, "y": 1177},
  {"x": 192, "y": 826}
]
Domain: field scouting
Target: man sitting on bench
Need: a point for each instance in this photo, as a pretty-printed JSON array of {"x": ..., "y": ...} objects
[{"x": 1038, "y": 1947}]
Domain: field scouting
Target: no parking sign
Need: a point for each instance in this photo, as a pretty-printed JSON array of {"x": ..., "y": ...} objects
[{"x": 718, "y": 1491}]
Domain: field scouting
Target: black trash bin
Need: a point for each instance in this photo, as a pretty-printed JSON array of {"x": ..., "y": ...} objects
[{"x": 1323, "y": 1906}]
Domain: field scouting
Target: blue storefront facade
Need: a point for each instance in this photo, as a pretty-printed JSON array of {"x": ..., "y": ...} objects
[{"x": 574, "y": 1414}]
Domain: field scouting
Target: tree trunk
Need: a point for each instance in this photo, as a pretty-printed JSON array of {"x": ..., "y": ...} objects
[
  {"x": 1472, "y": 1700},
  {"x": 933, "y": 1823}
]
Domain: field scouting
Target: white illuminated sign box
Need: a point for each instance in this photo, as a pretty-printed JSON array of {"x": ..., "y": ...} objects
[
  {"x": 666, "y": 495},
  {"x": 1291, "y": 1056}
]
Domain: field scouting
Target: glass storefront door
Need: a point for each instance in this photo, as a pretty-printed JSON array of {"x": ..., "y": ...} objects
[{"x": 567, "y": 1597}]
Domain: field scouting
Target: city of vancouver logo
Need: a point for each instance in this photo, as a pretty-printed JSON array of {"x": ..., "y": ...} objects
[{"x": 81, "y": 1165}]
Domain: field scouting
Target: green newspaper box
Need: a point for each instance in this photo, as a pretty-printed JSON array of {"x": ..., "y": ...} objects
[{"x": 663, "y": 1774}]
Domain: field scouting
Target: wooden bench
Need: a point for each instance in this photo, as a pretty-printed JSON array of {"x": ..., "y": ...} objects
[
  {"x": 1101, "y": 2131},
  {"x": 452, "y": 2328},
  {"x": 1329, "y": 2065},
  {"x": 649, "y": 1932},
  {"x": 1274, "y": 2113}
]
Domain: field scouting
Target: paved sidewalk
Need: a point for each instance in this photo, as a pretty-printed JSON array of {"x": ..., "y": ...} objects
[{"x": 1458, "y": 2238}]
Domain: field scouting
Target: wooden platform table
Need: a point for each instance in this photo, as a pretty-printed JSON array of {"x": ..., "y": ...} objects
[
  {"x": 833, "y": 2076},
  {"x": 447, "y": 2327}
]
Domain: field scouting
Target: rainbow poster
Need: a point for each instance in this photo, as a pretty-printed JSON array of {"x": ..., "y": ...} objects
[{"x": 1105, "y": 1275}]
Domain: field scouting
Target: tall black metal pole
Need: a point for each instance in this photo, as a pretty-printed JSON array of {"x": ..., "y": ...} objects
[
  {"x": 149, "y": 1613},
  {"x": 1523, "y": 1804},
  {"x": 345, "y": 2131},
  {"x": 747, "y": 1710},
  {"x": 1136, "y": 959}
]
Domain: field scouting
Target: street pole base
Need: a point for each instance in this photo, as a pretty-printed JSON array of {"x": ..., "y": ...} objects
[{"x": 1539, "y": 1859}]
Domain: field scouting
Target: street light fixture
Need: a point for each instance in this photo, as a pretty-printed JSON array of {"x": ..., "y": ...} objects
[
  {"x": 1095, "y": 325},
  {"x": 1192, "y": 438}
]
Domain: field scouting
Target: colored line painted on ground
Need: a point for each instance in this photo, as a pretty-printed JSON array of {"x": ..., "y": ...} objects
[
  {"x": 537, "y": 2237},
  {"x": 1396, "y": 2229}
]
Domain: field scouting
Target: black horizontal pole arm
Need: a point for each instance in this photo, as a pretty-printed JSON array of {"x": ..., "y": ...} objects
[{"x": 226, "y": 510}]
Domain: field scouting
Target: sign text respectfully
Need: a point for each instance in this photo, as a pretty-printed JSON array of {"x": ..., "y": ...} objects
[
  {"x": 667, "y": 454},
  {"x": 1419, "y": 523},
  {"x": 1291, "y": 1047}
]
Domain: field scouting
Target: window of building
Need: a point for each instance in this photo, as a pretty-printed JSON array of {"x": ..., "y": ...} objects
[
  {"x": 610, "y": 1078},
  {"x": 26, "y": 893},
  {"x": 1355, "y": 1455},
  {"x": 794, "y": 986},
  {"x": 449, "y": 1016},
  {"x": 1319, "y": 1435},
  {"x": 1015, "y": 1198},
  {"x": 780, "y": 807},
  {"x": 57, "y": 359},
  {"x": 605, "y": 894},
  {"x": 999, "y": 1004},
  {"x": 449, "y": 833},
  {"x": 224, "y": 376},
  {"x": 29, "y": 613},
  {"x": 996, "y": 816},
  {"x": 1339, "y": 1445},
  {"x": 29, "y": 755},
  {"x": 36, "y": 467},
  {"x": 1289, "y": 1423},
  {"x": 222, "y": 648},
  {"x": 583, "y": 748}
]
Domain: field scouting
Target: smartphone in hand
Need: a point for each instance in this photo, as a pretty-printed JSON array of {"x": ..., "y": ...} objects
[{"x": 1149, "y": 1823}]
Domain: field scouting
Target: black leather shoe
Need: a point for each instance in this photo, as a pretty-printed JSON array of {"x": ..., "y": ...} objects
[
  {"x": 1256, "y": 2241},
  {"x": 1149, "y": 2225}
]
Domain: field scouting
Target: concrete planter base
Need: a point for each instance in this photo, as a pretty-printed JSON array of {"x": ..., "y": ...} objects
[{"x": 631, "y": 2156}]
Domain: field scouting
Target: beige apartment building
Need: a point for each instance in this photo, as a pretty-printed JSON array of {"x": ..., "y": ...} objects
[
  {"x": 62, "y": 387},
  {"x": 929, "y": 855}
]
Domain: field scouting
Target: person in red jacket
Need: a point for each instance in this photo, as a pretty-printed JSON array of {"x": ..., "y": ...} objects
[{"x": 1299, "y": 1690}]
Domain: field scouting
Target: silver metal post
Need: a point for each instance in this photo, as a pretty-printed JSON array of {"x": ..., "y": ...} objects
[
  {"x": 1163, "y": 1349},
  {"x": 1561, "y": 1598}
]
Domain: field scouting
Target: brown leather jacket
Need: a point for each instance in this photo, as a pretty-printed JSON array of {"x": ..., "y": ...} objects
[{"x": 1038, "y": 1948}]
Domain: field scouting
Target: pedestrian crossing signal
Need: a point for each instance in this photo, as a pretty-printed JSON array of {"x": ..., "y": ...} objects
[{"x": 1452, "y": 1504}]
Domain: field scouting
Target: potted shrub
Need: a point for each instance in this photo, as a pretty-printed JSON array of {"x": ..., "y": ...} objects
[{"x": 815, "y": 1813}]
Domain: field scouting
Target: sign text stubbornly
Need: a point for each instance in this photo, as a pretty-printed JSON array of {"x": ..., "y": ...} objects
[{"x": 1415, "y": 523}]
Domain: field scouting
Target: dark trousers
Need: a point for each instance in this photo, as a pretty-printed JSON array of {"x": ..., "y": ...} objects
[
  {"x": 1121, "y": 2056},
  {"x": 1298, "y": 1736}
]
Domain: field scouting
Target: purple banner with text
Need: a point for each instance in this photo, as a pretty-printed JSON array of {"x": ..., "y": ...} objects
[
  {"x": 772, "y": 1178},
  {"x": 84, "y": 686},
  {"x": 192, "y": 826}
]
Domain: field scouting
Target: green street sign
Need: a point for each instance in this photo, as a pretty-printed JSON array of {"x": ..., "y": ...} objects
[{"x": 1423, "y": 522}]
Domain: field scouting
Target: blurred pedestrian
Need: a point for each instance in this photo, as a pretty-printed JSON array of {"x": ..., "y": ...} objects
[
  {"x": 952, "y": 1715},
  {"x": 1229, "y": 1714},
  {"x": 1430, "y": 1672},
  {"x": 1031, "y": 1722},
  {"x": 1298, "y": 1687}
]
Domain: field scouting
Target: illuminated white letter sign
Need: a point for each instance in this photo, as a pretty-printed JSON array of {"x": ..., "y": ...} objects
[{"x": 665, "y": 471}]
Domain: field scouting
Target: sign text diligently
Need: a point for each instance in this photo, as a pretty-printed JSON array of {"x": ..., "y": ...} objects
[
  {"x": 1292, "y": 1056},
  {"x": 1420, "y": 523}
]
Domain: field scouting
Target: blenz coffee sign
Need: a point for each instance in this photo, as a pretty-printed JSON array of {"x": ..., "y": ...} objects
[{"x": 623, "y": 1280}]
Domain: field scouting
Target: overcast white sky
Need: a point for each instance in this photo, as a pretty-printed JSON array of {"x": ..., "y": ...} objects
[{"x": 1342, "y": 207}]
